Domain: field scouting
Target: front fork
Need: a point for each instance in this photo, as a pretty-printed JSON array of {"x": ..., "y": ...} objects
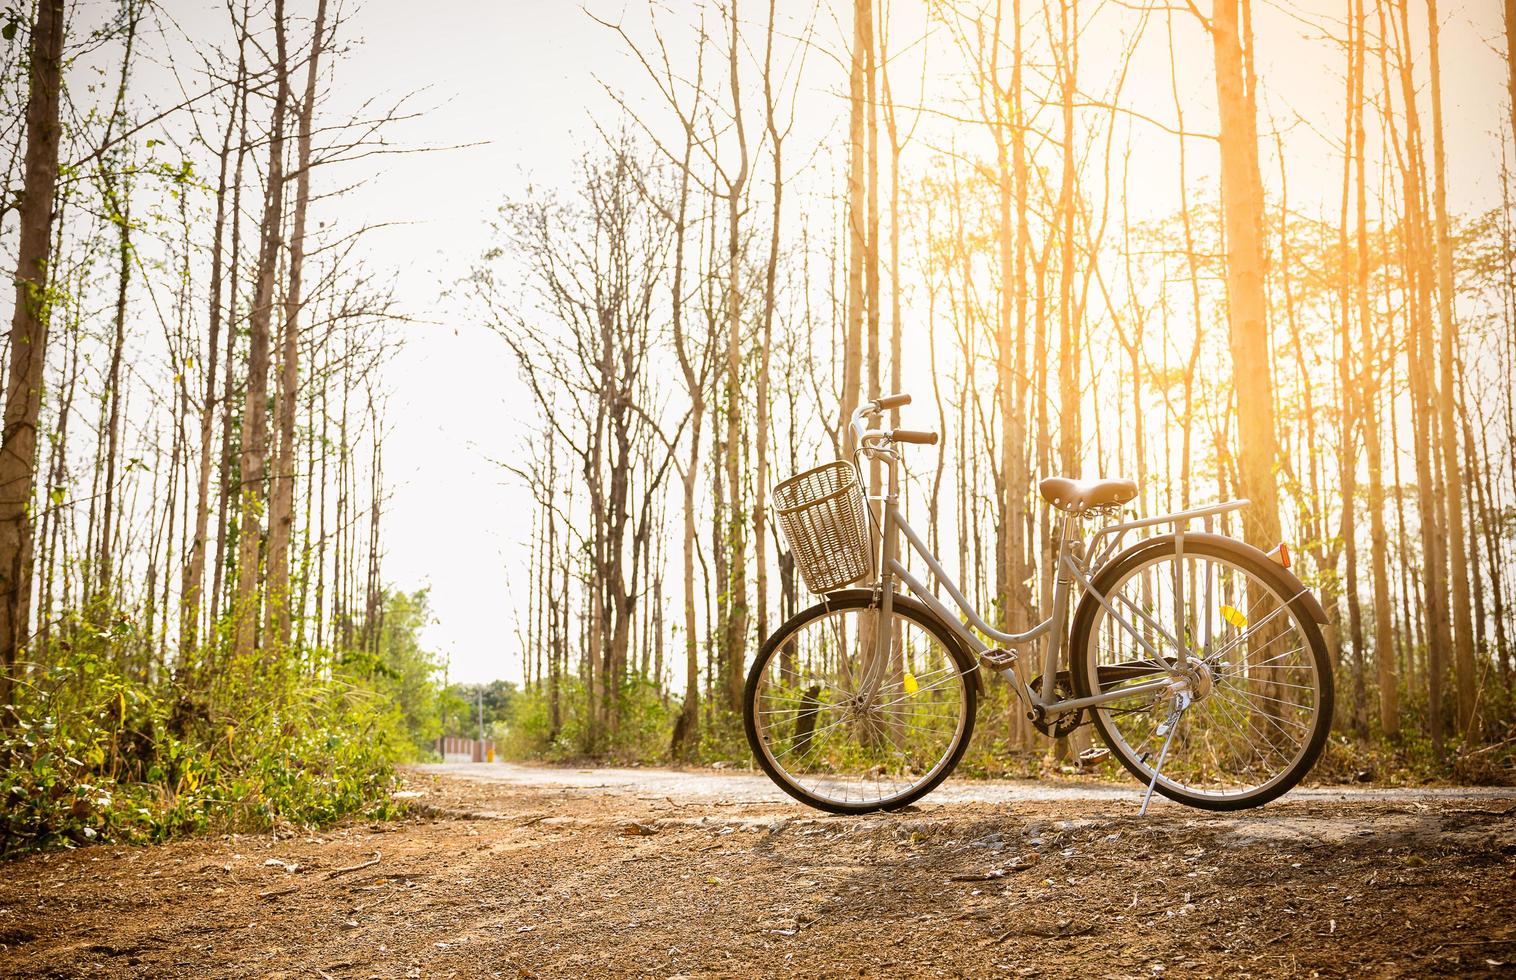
[{"x": 884, "y": 629}]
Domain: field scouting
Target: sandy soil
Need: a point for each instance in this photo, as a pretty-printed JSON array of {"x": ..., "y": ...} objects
[
  {"x": 586, "y": 874},
  {"x": 752, "y": 786}
]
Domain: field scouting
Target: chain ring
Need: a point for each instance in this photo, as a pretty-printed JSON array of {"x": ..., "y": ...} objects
[{"x": 1063, "y": 725}]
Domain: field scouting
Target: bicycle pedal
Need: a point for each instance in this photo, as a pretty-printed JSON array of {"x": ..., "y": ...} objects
[
  {"x": 1094, "y": 755},
  {"x": 999, "y": 658}
]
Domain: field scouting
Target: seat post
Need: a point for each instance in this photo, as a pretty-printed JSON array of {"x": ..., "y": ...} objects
[{"x": 1063, "y": 585}]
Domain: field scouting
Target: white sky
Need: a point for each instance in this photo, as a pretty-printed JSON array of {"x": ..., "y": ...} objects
[
  {"x": 516, "y": 77},
  {"x": 523, "y": 78}
]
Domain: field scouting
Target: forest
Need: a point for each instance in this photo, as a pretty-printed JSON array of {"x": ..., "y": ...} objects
[
  {"x": 1091, "y": 237},
  {"x": 195, "y": 630},
  {"x": 1087, "y": 250}
]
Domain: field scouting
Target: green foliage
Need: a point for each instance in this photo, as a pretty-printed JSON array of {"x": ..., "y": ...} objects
[
  {"x": 1407, "y": 758},
  {"x": 723, "y": 739},
  {"x": 98, "y": 749},
  {"x": 405, "y": 675},
  {"x": 993, "y": 753},
  {"x": 462, "y": 705},
  {"x": 641, "y": 736}
]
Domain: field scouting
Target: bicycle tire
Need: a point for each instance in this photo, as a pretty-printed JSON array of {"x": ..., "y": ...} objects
[
  {"x": 906, "y": 609},
  {"x": 1302, "y": 610}
]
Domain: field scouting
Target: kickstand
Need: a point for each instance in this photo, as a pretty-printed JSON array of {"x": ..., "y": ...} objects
[{"x": 1172, "y": 725}]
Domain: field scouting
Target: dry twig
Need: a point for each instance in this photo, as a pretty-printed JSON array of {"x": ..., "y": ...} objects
[
  {"x": 276, "y": 892},
  {"x": 356, "y": 867}
]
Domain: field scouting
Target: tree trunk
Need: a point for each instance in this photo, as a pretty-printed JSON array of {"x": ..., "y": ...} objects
[
  {"x": 282, "y": 481},
  {"x": 228, "y": 489},
  {"x": 871, "y": 239},
  {"x": 1421, "y": 362},
  {"x": 852, "y": 345},
  {"x": 1010, "y": 348},
  {"x": 1347, "y": 397},
  {"x": 194, "y": 568},
  {"x": 1242, "y": 206},
  {"x": 687, "y": 730},
  {"x": 761, "y": 421},
  {"x": 1192, "y": 259},
  {"x": 1067, "y": 59},
  {"x": 735, "y": 640},
  {"x": 1463, "y": 628},
  {"x": 119, "y": 206},
  {"x": 1369, "y": 383},
  {"x": 1510, "y": 62},
  {"x": 28, "y": 342},
  {"x": 253, "y": 463},
  {"x": 117, "y": 201}
]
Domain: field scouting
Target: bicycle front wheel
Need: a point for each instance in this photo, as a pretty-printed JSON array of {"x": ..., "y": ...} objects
[
  {"x": 843, "y": 729},
  {"x": 1245, "y": 716}
]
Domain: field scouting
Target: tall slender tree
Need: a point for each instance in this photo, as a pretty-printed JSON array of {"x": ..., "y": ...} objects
[
  {"x": 282, "y": 479},
  {"x": 28, "y": 340},
  {"x": 254, "y": 457},
  {"x": 1247, "y": 305},
  {"x": 1452, "y": 476}
]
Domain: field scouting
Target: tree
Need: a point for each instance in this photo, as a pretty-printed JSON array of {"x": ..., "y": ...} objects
[
  {"x": 1369, "y": 386},
  {"x": 1242, "y": 207},
  {"x": 254, "y": 458},
  {"x": 282, "y": 482},
  {"x": 734, "y": 597},
  {"x": 192, "y": 587},
  {"x": 857, "y": 230},
  {"x": 28, "y": 341},
  {"x": 1463, "y": 628}
]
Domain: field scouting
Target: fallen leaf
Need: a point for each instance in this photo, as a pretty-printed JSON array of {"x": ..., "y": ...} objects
[{"x": 635, "y": 829}]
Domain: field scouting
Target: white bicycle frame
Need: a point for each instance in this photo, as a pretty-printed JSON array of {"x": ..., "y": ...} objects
[{"x": 1071, "y": 568}]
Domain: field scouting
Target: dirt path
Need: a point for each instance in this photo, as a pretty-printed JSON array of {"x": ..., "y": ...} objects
[
  {"x": 507, "y": 872},
  {"x": 741, "y": 786}
]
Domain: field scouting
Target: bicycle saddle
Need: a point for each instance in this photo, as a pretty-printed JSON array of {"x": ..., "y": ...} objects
[{"x": 1077, "y": 496}]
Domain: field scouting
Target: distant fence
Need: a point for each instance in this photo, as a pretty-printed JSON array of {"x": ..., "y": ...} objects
[{"x": 466, "y": 749}]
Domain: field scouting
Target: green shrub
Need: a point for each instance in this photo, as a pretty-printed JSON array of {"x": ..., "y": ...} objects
[
  {"x": 639, "y": 733},
  {"x": 101, "y": 746},
  {"x": 76, "y": 769}
]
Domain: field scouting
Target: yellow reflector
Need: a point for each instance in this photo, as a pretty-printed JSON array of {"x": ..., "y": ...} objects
[
  {"x": 1234, "y": 617},
  {"x": 911, "y": 687}
]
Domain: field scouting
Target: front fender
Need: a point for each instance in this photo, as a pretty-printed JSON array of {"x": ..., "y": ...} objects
[{"x": 945, "y": 632}]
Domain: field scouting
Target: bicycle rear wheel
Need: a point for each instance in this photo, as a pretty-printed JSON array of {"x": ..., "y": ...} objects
[
  {"x": 1254, "y": 704},
  {"x": 843, "y": 730}
]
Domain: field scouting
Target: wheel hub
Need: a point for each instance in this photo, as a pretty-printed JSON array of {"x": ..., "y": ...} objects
[{"x": 1198, "y": 678}]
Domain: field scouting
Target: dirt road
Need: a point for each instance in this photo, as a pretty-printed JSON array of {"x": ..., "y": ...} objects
[
  {"x": 740, "y": 786},
  {"x": 506, "y": 871}
]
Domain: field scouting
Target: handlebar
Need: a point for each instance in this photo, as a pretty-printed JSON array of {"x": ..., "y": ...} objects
[
  {"x": 868, "y": 440},
  {"x": 881, "y": 404}
]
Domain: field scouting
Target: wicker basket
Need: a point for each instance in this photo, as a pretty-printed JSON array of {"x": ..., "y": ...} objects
[{"x": 821, "y": 513}]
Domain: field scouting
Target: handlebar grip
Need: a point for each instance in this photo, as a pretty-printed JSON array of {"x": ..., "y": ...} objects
[
  {"x": 887, "y": 402},
  {"x": 914, "y": 437}
]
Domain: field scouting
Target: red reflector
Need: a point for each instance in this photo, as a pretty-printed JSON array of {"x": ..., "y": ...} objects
[{"x": 1280, "y": 555}]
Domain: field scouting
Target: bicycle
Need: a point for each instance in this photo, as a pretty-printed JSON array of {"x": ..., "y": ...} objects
[{"x": 1199, "y": 659}]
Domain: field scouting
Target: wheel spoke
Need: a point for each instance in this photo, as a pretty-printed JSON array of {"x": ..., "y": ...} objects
[
  {"x": 1251, "y": 721},
  {"x": 842, "y": 726}
]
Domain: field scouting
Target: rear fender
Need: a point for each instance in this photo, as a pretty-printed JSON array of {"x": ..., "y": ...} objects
[{"x": 1304, "y": 604}]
